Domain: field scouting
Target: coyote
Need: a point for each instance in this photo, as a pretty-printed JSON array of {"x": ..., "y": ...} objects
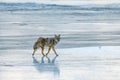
[{"x": 50, "y": 42}]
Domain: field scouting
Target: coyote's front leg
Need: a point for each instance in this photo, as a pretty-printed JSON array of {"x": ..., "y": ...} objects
[{"x": 54, "y": 50}]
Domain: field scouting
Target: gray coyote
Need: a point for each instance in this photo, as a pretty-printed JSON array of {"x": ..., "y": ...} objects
[{"x": 49, "y": 42}]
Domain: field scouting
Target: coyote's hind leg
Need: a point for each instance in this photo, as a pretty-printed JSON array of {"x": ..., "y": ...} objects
[
  {"x": 48, "y": 50},
  {"x": 34, "y": 51},
  {"x": 43, "y": 51}
]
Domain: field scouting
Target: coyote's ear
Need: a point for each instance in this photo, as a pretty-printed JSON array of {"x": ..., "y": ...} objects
[{"x": 55, "y": 35}]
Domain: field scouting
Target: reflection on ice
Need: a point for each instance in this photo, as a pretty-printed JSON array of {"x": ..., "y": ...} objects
[{"x": 47, "y": 67}]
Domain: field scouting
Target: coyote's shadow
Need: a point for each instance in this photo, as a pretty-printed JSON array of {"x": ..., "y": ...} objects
[{"x": 46, "y": 67}]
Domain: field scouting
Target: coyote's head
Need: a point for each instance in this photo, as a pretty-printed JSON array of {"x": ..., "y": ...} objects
[{"x": 57, "y": 37}]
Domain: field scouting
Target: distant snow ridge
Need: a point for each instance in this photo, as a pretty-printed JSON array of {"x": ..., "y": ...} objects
[
  {"x": 38, "y": 6},
  {"x": 30, "y": 6}
]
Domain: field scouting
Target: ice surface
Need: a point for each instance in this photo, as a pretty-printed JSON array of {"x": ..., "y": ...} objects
[{"x": 90, "y": 63}]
